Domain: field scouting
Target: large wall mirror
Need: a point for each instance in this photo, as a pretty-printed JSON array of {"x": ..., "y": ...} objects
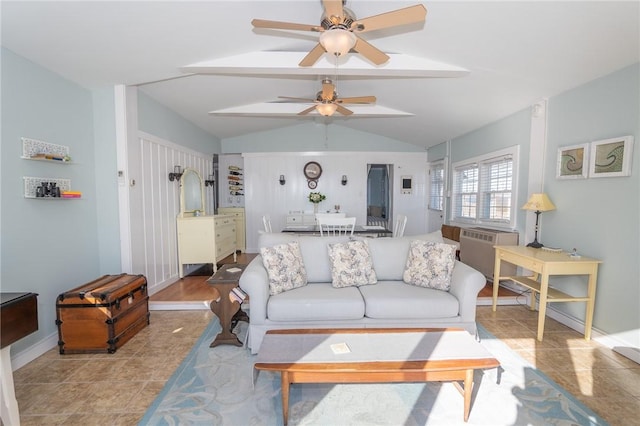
[{"x": 191, "y": 193}]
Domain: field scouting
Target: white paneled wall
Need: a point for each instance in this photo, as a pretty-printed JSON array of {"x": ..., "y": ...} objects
[
  {"x": 154, "y": 222},
  {"x": 265, "y": 196}
]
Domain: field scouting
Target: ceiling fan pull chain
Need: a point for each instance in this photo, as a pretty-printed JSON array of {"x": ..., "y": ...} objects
[{"x": 335, "y": 78}]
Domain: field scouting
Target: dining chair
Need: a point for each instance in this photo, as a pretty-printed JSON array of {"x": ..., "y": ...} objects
[
  {"x": 330, "y": 226},
  {"x": 401, "y": 222},
  {"x": 266, "y": 221}
]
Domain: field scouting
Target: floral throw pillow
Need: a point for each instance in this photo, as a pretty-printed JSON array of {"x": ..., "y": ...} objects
[
  {"x": 284, "y": 266},
  {"x": 351, "y": 264},
  {"x": 430, "y": 265}
]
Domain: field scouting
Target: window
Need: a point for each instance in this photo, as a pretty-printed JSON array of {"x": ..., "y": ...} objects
[
  {"x": 436, "y": 193},
  {"x": 484, "y": 189}
]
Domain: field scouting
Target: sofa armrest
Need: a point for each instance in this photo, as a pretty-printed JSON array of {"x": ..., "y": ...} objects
[
  {"x": 466, "y": 283},
  {"x": 255, "y": 282}
]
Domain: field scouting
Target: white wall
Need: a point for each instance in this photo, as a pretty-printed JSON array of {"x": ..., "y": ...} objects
[
  {"x": 265, "y": 196},
  {"x": 154, "y": 246},
  {"x": 224, "y": 195}
]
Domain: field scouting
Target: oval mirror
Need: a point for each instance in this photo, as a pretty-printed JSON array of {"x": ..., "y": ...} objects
[{"x": 191, "y": 192}]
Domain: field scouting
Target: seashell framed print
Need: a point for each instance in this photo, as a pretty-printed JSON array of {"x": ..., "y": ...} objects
[
  {"x": 573, "y": 162},
  {"x": 611, "y": 157}
]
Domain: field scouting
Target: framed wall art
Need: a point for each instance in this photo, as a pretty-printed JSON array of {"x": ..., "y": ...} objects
[
  {"x": 611, "y": 157},
  {"x": 573, "y": 162}
]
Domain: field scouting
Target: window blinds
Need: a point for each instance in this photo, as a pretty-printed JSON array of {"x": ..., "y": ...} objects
[{"x": 482, "y": 190}]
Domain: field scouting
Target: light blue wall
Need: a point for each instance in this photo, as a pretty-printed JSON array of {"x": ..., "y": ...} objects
[
  {"x": 51, "y": 246},
  {"x": 314, "y": 137},
  {"x": 510, "y": 131},
  {"x": 48, "y": 246},
  {"x": 106, "y": 186},
  {"x": 160, "y": 121},
  {"x": 599, "y": 217},
  {"x": 437, "y": 152}
]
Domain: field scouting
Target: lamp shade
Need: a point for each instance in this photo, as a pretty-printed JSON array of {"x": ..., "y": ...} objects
[
  {"x": 539, "y": 202},
  {"x": 337, "y": 41},
  {"x": 326, "y": 109}
]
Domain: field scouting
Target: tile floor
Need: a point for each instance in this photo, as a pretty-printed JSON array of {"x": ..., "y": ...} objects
[{"x": 102, "y": 389}]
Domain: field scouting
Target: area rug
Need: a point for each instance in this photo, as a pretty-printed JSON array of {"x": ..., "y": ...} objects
[{"x": 214, "y": 386}]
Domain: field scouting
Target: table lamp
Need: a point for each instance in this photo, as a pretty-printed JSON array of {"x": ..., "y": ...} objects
[{"x": 538, "y": 203}]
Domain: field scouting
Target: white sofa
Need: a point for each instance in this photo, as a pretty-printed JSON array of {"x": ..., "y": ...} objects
[{"x": 388, "y": 303}]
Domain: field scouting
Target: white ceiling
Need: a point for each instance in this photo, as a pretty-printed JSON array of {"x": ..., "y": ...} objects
[{"x": 516, "y": 53}]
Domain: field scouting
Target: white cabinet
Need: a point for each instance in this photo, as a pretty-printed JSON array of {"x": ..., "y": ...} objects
[
  {"x": 307, "y": 218},
  {"x": 238, "y": 214},
  {"x": 205, "y": 239}
]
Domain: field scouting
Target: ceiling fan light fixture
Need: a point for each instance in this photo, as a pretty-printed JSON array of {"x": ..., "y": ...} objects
[
  {"x": 326, "y": 109},
  {"x": 337, "y": 41}
]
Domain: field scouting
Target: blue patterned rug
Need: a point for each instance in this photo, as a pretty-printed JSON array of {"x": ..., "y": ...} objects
[{"x": 215, "y": 387}]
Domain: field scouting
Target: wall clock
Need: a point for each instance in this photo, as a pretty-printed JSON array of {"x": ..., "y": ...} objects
[
  {"x": 313, "y": 184},
  {"x": 312, "y": 170}
]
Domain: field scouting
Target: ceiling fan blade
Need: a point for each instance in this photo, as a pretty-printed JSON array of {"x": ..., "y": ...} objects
[
  {"x": 408, "y": 15},
  {"x": 307, "y": 111},
  {"x": 342, "y": 110},
  {"x": 296, "y": 100},
  {"x": 313, "y": 56},
  {"x": 328, "y": 89},
  {"x": 373, "y": 54},
  {"x": 333, "y": 9},
  {"x": 357, "y": 100},
  {"x": 277, "y": 25}
]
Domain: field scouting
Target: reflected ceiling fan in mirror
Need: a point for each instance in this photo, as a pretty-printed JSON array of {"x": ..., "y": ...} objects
[
  {"x": 339, "y": 30},
  {"x": 327, "y": 101}
]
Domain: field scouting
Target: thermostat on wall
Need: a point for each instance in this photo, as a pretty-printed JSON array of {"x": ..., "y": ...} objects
[{"x": 407, "y": 185}]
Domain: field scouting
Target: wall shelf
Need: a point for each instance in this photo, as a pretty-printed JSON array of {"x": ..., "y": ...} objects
[
  {"x": 32, "y": 183},
  {"x": 33, "y": 149},
  {"x": 46, "y": 160},
  {"x": 36, "y": 150}
]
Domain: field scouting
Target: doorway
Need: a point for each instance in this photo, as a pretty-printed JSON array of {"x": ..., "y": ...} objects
[{"x": 379, "y": 194}]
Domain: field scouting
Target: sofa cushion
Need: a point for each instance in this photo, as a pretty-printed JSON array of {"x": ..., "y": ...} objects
[
  {"x": 397, "y": 300},
  {"x": 270, "y": 239},
  {"x": 389, "y": 256},
  {"x": 284, "y": 266},
  {"x": 320, "y": 301},
  {"x": 430, "y": 264},
  {"x": 316, "y": 256},
  {"x": 351, "y": 264}
]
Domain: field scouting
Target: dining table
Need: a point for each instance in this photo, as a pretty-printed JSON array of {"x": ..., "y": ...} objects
[{"x": 362, "y": 230}]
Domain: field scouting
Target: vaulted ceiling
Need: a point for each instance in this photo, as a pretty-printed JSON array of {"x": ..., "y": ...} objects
[{"x": 469, "y": 64}]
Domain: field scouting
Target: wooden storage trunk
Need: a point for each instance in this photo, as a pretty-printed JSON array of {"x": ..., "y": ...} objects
[{"x": 102, "y": 315}]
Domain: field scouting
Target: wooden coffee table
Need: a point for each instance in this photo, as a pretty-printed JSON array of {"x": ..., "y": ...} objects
[{"x": 375, "y": 355}]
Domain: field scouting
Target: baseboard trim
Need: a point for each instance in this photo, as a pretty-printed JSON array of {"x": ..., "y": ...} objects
[
  {"x": 502, "y": 301},
  {"x": 599, "y": 336},
  {"x": 199, "y": 305},
  {"x": 32, "y": 352}
]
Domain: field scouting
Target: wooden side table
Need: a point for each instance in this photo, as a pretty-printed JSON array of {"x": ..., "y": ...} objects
[
  {"x": 544, "y": 264},
  {"x": 227, "y": 310}
]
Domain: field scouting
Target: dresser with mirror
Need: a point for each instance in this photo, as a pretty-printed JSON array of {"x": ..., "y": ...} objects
[{"x": 202, "y": 238}]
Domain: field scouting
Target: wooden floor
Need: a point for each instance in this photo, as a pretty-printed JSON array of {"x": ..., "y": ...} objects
[{"x": 194, "y": 288}]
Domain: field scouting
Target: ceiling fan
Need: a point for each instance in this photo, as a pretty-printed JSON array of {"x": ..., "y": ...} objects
[
  {"x": 327, "y": 101},
  {"x": 339, "y": 26}
]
